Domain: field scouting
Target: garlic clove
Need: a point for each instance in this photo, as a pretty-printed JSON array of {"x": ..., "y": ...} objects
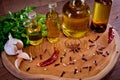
[
  {"x": 24, "y": 56},
  {"x": 18, "y": 62}
]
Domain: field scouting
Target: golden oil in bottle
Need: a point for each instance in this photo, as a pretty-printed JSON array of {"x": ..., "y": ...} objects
[
  {"x": 76, "y": 17},
  {"x": 52, "y": 23},
  {"x": 101, "y": 15},
  {"x": 34, "y": 30}
]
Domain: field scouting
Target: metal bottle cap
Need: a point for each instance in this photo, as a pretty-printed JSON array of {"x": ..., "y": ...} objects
[{"x": 52, "y": 5}]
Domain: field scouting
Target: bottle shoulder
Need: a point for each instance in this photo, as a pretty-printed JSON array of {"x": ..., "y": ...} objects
[{"x": 76, "y": 11}]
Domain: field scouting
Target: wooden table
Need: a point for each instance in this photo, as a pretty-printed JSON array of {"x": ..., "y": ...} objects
[{"x": 42, "y": 7}]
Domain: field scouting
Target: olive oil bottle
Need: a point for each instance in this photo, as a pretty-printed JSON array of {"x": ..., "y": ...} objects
[
  {"x": 76, "y": 17},
  {"x": 101, "y": 15},
  {"x": 33, "y": 29},
  {"x": 52, "y": 23}
]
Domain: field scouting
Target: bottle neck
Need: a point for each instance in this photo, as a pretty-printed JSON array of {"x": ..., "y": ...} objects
[
  {"x": 52, "y": 10},
  {"x": 77, "y": 3}
]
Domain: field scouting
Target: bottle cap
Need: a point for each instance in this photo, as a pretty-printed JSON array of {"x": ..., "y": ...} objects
[
  {"x": 32, "y": 15},
  {"x": 52, "y": 5}
]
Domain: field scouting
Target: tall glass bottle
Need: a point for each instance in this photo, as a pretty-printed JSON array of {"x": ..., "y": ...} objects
[
  {"x": 33, "y": 29},
  {"x": 101, "y": 15},
  {"x": 52, "y": 23},
  {"x": 76, "y": 17}
]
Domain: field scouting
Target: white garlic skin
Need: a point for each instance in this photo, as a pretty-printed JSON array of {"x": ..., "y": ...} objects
[{"x": 13, "y": 45}]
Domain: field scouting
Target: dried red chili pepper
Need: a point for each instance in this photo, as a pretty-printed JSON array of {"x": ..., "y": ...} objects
[
  {"x": 110, "y": 35},
  {"x": 52, "y": 59}
]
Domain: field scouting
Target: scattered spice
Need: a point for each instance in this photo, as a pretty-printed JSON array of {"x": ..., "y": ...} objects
[
  {"x": 116, "y": 17},
  {"x": 102, "y": 48},
  {"x": 64, "y": 64},
  {"x": 80, "y": 70},
  {"x": 86, "y": 67},
  {"x": 99, "y": 52},
  {"x": 90, "y": 68},
  {"x": 33, "y": 58},
  {"x": 90, "y": 41},
  {"x": 95, "y": 62},
  {"x": 70, "y": 58},
  {"x": 84, "y": 59},
  {"x": 75, "y": 70},
  {"x": 107, "y": 52},
  {"x": 97, "y": 38},
  {"x": 62, "y": 74},
  {"x": 40, "y": 57},
  {"x": 45, "y": 50},
  {"x": 80, "y": 79},
  {"x": 103, "y": 55},
  {"x": 117, "y": 52},
  {"x": 64, "y": 53},
  {"x": 28, "y": 69},
  {"x": 61, "y": 59},
  {"x": 91, "y": 45},
  {"x": 71, "y": 63},
  {"x": 56, "y": 64},
  {"x": 73, "y": 47},
  {"x": 45, "y": 69}
]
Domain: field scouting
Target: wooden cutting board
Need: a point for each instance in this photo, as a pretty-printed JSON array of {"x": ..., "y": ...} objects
[{"x": 66, "y": 70}]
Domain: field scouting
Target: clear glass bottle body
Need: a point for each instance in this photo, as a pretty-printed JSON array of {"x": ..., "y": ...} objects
[
  {"x": 52, "y": 23},
  {"x": 34, "y": 30},
  {"x": 76, "y": 17},
  {"x": 101, "y": 15}
]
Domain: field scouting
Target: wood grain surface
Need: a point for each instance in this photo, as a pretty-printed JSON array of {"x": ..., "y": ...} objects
[{"x": 42, "y": 7}]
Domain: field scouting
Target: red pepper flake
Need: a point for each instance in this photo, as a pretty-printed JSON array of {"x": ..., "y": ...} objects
[
  {"x": 97, "y": 38},
  {"x": 62, "y": 74},
  {"x": 90, "y": 41},
  {"x": 56, "y": 65},
  {"x": 28, "y": 69}
]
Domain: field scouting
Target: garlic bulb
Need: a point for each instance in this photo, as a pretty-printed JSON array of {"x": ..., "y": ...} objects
[{"x": 13, "y": 45}]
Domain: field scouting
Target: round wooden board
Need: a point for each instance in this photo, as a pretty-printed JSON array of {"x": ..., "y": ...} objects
[{"x": 8, "y": 62}]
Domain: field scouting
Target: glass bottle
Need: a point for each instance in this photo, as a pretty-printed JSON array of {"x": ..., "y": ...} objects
[
  {"x": 52, "y": 23},
  {"x": 76, "y": 17},
  {"x": 101, "y": 15},
  {"x": 33, "y": 29}
]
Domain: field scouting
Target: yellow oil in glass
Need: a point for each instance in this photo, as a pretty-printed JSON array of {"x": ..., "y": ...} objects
[
  {"x": 76, "y": 17},
  {"x": 101, "y": 15},
  {"x": 52, "y": 23}
]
